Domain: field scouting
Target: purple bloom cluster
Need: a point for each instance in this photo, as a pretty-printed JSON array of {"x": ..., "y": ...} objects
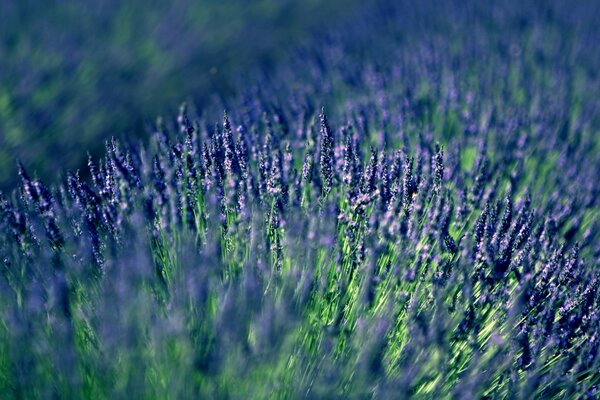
[{"x": 417, "y": 240}]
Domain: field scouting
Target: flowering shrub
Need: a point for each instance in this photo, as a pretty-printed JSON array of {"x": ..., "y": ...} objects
[{"x": 432, "y": 238}]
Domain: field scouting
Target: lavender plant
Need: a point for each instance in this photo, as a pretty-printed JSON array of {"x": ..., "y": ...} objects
[{"x": 349, "y": 237}]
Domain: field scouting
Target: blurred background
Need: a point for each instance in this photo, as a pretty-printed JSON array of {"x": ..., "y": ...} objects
[{"x": 74, "y": 73}]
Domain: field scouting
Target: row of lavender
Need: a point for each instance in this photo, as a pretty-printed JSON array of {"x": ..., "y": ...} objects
[
  {"x": 385, "y": 242},
  {"x": 436, "y": 236}
]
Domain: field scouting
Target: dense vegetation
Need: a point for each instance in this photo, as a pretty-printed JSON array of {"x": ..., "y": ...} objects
[{"x": 405, "y": 206}]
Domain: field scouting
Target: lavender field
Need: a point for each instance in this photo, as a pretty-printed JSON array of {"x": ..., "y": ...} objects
[{"x": 402, "y": 202}]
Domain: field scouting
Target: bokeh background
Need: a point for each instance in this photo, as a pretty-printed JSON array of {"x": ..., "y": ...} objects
[{"x": 74, "y": 73}]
